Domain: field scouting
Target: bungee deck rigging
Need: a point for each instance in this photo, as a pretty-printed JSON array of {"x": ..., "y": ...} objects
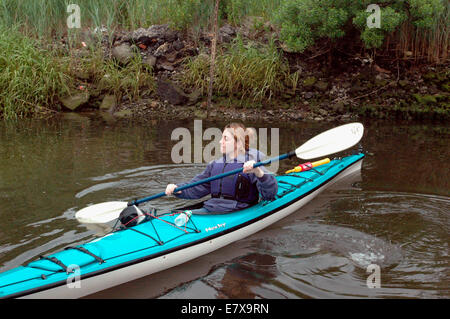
[{"x": 157, "y": 240}]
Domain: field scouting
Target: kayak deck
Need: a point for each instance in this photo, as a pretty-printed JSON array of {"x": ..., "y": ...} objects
[{"x": 158, "y": 236}]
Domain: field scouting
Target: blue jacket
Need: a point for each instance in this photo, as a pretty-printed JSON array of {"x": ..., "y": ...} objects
[{"x": 267, "y": 186}]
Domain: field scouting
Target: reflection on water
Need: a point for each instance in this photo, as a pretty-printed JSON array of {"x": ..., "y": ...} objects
[{"x": 395, "y": 215}]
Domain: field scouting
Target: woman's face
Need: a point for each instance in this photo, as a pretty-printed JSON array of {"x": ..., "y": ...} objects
[{"x": 227, "y": 143}]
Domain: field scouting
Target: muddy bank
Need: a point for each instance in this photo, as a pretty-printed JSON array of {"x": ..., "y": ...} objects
[{"x": 351, "y": 86}]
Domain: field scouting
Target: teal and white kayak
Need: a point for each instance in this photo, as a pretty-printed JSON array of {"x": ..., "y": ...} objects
[{"x": 157, "y": 244}]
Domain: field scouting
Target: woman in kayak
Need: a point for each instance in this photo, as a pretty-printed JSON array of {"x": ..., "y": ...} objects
[{"x": 237, "y": 191}]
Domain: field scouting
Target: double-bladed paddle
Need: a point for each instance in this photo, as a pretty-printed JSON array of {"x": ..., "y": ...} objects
[{"x": 332, "y": 141}]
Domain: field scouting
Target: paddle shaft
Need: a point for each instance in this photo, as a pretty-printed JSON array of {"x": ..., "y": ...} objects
[{"x": 212, "y": 178}]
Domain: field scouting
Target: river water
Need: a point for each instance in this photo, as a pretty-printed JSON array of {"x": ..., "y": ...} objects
[{"x": 393, "y": 216}]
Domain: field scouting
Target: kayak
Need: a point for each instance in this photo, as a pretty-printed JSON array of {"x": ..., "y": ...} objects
[{"x": 157, "y": 243}]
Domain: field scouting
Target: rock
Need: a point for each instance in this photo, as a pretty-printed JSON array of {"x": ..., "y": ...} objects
[
  {"x": 226, "y": 33},
  {"x": 322, "y": 112},
  {"x": 165, "y": 66},
  {"x": 123, "y": 53},
  {"x": 178, "y": 45},
  {"x": 346, "y": 116},
  {"x": 143, "y": 35},
  {"x": 154, "y": 104},
  {"x": 123, "y": 113},
  {"x": 75, "y": 101},
  {"x": 149, "y": 61},
  {"x": 194, "y": 97},
  {"x": 153, "y": 34},
  {"x": 108, "y": 117},
  {"x": 109, "y": 103},
  {"x": 309, "y": 95},
  {"x": 167, "y": 90},
  {"x": 339, "y": 107},
  {"x": 162, "y": 49},
  {"x": 171, "y": 57}
]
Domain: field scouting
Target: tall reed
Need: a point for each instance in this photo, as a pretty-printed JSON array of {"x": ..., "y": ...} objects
[
  {"x": 45, "y": 18},
  {"x": 429, "y": 43},
  {"x": 31, "y": 79},
  {"x": 244, "y": 70},
  {"x": 48, "y": 17}
]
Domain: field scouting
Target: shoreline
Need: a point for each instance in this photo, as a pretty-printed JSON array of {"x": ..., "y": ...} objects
[{"x": 351, "y": 87}]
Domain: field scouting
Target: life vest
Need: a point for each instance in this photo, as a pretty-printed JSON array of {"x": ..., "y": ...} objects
[{"x": 235, "y": 187}]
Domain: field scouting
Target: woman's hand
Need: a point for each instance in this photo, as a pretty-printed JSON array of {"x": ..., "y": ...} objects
[
  {"x": 248, "y": 168},
  {"x": 170, "y": 188}
]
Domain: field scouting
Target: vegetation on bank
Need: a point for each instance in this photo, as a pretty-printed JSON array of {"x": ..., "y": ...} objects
[
  {"x": 36, "y": 71},
  {"x": 93, "y": 72},
  {"x": 412, "y": 25},
  {"x": 246, "y": 71},
  {"x": 31, "y": 79}
]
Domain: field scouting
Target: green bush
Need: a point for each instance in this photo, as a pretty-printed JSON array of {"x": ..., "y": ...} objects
[
  {"x": 427, "y": 13},
  {"x": 390, "y": 20},
  {"x": 303, "y": 22}
]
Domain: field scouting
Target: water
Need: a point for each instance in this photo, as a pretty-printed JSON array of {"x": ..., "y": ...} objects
[{"x": 395, "y": 214}]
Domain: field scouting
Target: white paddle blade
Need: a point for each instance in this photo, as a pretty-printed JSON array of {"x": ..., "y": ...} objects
[
  {"x": 332, "y": 141},
  {"x": 101, "y": 213}
]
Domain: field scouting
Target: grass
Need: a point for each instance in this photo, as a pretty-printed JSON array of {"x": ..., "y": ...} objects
[
  {"x": 429, "y": 43},
  {"x": 31, "y": 79},
  {"x": 131, "y": 80},
  {"x": 107, "y": 76},
  {"x": 251, "y": 71},
  {"x": 44, "y": 18}
]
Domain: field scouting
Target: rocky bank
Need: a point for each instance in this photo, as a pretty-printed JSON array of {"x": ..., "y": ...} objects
[{"x": 352, "y": 86}]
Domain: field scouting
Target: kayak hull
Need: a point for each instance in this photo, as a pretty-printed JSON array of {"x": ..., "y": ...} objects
[{"x": 211, "y": 238}]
